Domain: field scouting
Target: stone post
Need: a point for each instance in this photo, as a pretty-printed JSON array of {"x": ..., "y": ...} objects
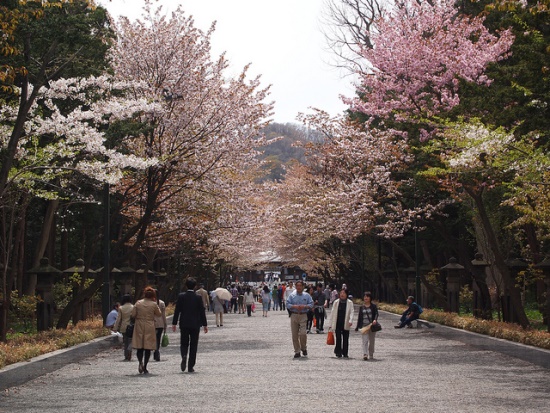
[
  {"x": 45, "y": 275},
  {"x": 482, "y": 300},
  {"x": 508, "y": 311},
  {"x": 453, "y": 271}
]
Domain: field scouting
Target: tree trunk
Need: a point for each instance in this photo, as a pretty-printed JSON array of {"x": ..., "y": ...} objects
[
  {"x": 77, "y": 301},
  {"x": 493, "y": 246},
  {"x": 42, "y": 243}
]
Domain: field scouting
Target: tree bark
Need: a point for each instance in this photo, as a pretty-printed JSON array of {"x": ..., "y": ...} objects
[
  {"x": 492, "y": 244},
  {"x": 42, "y": 243}
]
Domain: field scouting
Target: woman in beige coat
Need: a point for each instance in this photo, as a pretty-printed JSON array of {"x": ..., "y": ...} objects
[{"x": 145, "y": 338}]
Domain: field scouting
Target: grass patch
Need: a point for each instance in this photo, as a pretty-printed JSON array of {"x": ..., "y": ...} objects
[
  {"x": 497, "y": 329},
  {"x": 22, "y": 347}
]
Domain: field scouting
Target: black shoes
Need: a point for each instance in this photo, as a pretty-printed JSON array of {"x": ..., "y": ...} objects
[
  {"x": 304, "y": 352},
  {"x": 191, "y": 370},
  {"x": 339, "y": 355},
  {"x": 296, "y": 355},
  {"x": 183, "y": 365}
]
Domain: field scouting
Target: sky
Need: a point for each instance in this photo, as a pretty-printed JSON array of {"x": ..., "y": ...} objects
[{"x": 283, "y": 41}]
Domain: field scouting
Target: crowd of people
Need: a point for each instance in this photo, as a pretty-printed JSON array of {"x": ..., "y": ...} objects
[{"x": 142, "y": 325}]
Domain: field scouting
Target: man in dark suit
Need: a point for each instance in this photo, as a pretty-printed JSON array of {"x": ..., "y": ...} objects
[{"x": 191, "y": 315}]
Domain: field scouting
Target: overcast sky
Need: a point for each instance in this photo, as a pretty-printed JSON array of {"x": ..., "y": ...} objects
[{"x": 281, "y": 38}]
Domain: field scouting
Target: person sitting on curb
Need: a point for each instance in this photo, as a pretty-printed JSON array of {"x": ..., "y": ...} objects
[{"x": 410, "y": 314}]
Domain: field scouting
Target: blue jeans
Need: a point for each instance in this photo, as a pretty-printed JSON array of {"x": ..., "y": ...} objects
[{"x": 406, "y": 321}]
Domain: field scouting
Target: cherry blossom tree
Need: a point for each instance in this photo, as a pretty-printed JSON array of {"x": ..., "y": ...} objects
[
  {"x": 348, "y": 187},
  {"x": 421, "y": 51},
  {"x": 204, "y": 138}
]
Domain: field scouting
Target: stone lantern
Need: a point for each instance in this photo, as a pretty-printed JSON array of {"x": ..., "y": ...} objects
[
  {"x": 411, "y": 281},
  {"x": 45, "y": 275},
  {"x": 482, "y": 299},
  {"x": 144, "y": 277},
  {"x": 453, "y": 270},
  {"x": 544, "y": 265},
  {"x": 126, "y": 278}
]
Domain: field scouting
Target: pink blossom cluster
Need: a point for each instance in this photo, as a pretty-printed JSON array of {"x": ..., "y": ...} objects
[{"x": 421, "y": 50}]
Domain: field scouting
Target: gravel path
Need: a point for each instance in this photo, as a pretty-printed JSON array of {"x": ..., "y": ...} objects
[{"x": 247, "y": 366}]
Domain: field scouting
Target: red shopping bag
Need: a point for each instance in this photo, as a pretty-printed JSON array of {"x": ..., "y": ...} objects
[{"x": 330, "y": 338}]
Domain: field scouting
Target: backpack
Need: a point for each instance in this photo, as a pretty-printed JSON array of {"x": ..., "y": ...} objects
[{"x": 420, "y": 309}]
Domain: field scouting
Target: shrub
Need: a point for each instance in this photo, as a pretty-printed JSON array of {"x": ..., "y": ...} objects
[{"x": 26, "y": 346}]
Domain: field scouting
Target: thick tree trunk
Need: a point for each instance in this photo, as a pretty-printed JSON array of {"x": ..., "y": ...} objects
[
  {"x": 42, "y": 243},
  {"x": 493, "y": 246},
  {"x": 77, "y": 301}
]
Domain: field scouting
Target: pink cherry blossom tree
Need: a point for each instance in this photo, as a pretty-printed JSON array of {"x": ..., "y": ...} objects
[{"x": 421, "y": 50}]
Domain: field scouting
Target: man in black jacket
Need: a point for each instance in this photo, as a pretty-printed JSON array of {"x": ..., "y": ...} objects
[{"x": 191, "y": 315}]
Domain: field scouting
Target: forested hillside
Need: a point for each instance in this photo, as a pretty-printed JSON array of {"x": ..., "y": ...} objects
[{"x": 287, "y": 148}]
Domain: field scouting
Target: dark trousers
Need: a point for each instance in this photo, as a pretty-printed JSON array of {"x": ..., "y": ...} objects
[
  {"x": 320, "y": 318},
  {"x": 234, "y": 305},
  {"x": 189, "y": 341},
  {"x": 309, "y": 320},
  {"x": 159, "y": 332},
  {"x": 406, "y": 321},
  {"x": 342, "y": 342},
  {"x": 249, "y": 310}
]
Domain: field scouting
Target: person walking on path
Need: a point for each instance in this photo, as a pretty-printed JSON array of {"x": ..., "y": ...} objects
[
  {"x": 298, "y": 304},
  {"x": 368, "y": 314},
  {"x": 191, "y": 314},
  {"x": 341, "y": 319},
  {"x": 249, "y": 301},
  {"x": 160, "y": 326},
  {"x": 204, "y": 296},
  {"x": 319, "y": 308},
  {"x": 122, "y": 321},
  {"x": 234, "y": 299},
  {"x": 266, "y": 300},
  {"x": 275, "y": 296},
  {"x": 218, "y": 305},
  {"x": 410, "y": 314},
  {"x": 288, "y": 290},
  {"x": 309, "y": 323},
  {"x": 144, "y": 338}
]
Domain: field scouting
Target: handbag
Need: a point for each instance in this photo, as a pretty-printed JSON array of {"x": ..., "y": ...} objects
[
  {"x": 330, "y": 338},
  {"x": 165, "y": 341},
  {"x": 376, "y": 327},
  {"x": 130, "y": 327}
]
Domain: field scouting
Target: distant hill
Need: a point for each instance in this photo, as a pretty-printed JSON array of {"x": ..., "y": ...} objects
[{"x": 283, "y": 152}]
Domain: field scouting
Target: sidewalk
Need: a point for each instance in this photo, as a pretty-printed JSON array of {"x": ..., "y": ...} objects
[{"x": 247, "y": 366}]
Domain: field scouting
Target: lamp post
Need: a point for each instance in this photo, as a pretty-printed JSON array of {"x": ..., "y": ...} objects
[{"x": 105, "y": 290}]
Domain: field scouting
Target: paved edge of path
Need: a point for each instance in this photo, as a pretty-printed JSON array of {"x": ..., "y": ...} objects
[
  {"x": 19, "y": 373},
  {"x": 534, "y": 355}
]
